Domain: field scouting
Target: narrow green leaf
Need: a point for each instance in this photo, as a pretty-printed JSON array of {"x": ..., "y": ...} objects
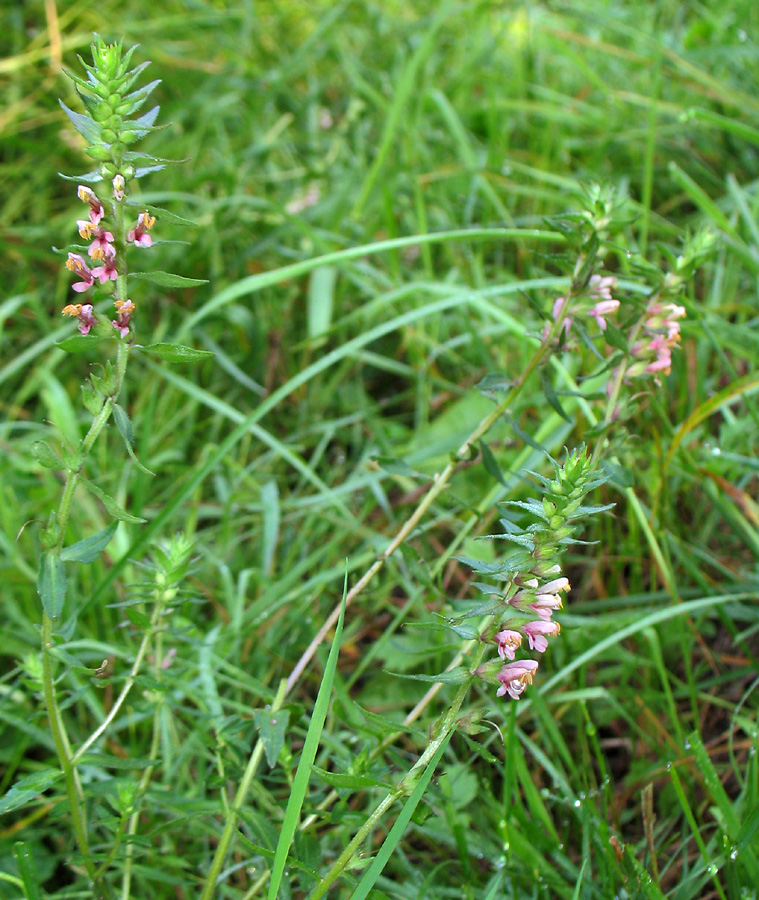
[
  {"x": 176, "y": 353},
  {"x": 270, "y": 504},
  {"x": 169, "y": 218},
  {"x": 88, "y": 128},
  {"x": 396, "y": 832},
  {"x": 271, "y": 729},
  {"x": 78, "y": 343},
  {"x": 308, "y": 755},
  {"x": 168, "y": 279},
  {"x": 345, "y": 780},
  {"x": 51, "y": 584},
  {"x": 111, "y": 505},
  {"x": 26, "y": 789},
  {"x": 321, "y": 292},
  {"x": 103, "y": 760},
  {"x": 88, "y": 550},
  {"x": 455, "y": 676},
  {"x": 27, "y": 869},
  {"x": 88, "y": 178},
  {"x": 491, "y": 464},
  {"x": 552, "y": 397},
  {"x": 46, "y": 456},
  {"x": 121, "y": 419}
]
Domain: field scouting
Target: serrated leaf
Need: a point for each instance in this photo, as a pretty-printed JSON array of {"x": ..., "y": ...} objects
[
  {"x": 51, "y": 584},
  {"x": 140, "y": 619},
  {"x": 87, "y": 127},
  {"x": 112, "y": 506},
  {"x": 88, "y": 550},
  {"x": 44, "y": 454},
  {"x": 26, "y": 789},
  {"x": 168, "y": 279},
  {"x": 271, "y": 729},
  {"x": 176, "y": 353},
  {"x": 78, "y": 343},
  {"x": 353, "y": 782},
  {"x": 147, "y": 119}
]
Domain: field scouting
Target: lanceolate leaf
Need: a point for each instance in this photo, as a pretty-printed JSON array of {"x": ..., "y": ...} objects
[
  {"x": 111, "y": 505},
  {"x": 89, "y": 129},
  {"x": 88, "y": 550},
  {"x": 124, "y": 425},
  {"x": 25, "y": 789},
  {"x": 51, "y": 585},
  {"x": 78, "y": 343},
  {"x": 176, "y": 353},
  {"x": 168, "y": 279}
]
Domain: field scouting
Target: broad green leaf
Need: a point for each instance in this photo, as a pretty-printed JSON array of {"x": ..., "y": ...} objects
[
  {"x": 168, "y": 279},
  {"x": 271, "y": 729},
  {"x": 51, "y": 584},
  {"x": 111, "y": 505},
  {"x": 88, "y": 550},
  {"x": 26, "y": 789},
  {"x": 176, "y": 353}
]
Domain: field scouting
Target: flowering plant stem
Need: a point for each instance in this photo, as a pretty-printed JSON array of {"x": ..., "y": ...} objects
[{"x": 445, "y": 725}]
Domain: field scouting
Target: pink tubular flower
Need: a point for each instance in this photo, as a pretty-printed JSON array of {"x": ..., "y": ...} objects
[
  {"x": 538, "y": 631},
  {"x": 602, "y": 286},
  {"x": 138, "y": 235},
  {"x": 83, "y": 313},
  {"x": 125, "y": 308},
  {"x": 106, "y": 272},
  {"x": 556, "y": 586},
  {"x": 545, "y": 604},
  {"x": 96, "y": 207},
  {"x": 508, "y": 643},
  {"x": 79, "y": 267},
  {"x": 603, "y": 308},
  {"x": 515, "y": 676}
]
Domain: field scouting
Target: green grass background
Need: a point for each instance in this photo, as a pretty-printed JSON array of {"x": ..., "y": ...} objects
[{"x": 383, "y": 120}]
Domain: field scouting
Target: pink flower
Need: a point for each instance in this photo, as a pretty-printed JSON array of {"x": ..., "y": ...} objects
[
  {"x": 83, "y": 313},
  {"x": 515, "y": 676},
  {"x": 558, "y": 308},
  {"x": 508, "y": 642},
  {"x": 79, "y": 267},
  {"x": 138, "y": 235},
  {"x": 602, "y": 286},
  {"x": 125, "y": 309},
  {"x": 106, "y": 272},
  {"x": 604, "y": 308},
  {"x": 538, "y": 631},
  {"x": 96, "y": 207},
  {"x": 545, "y": 604},
  {"x": 555, "y": 586}
]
